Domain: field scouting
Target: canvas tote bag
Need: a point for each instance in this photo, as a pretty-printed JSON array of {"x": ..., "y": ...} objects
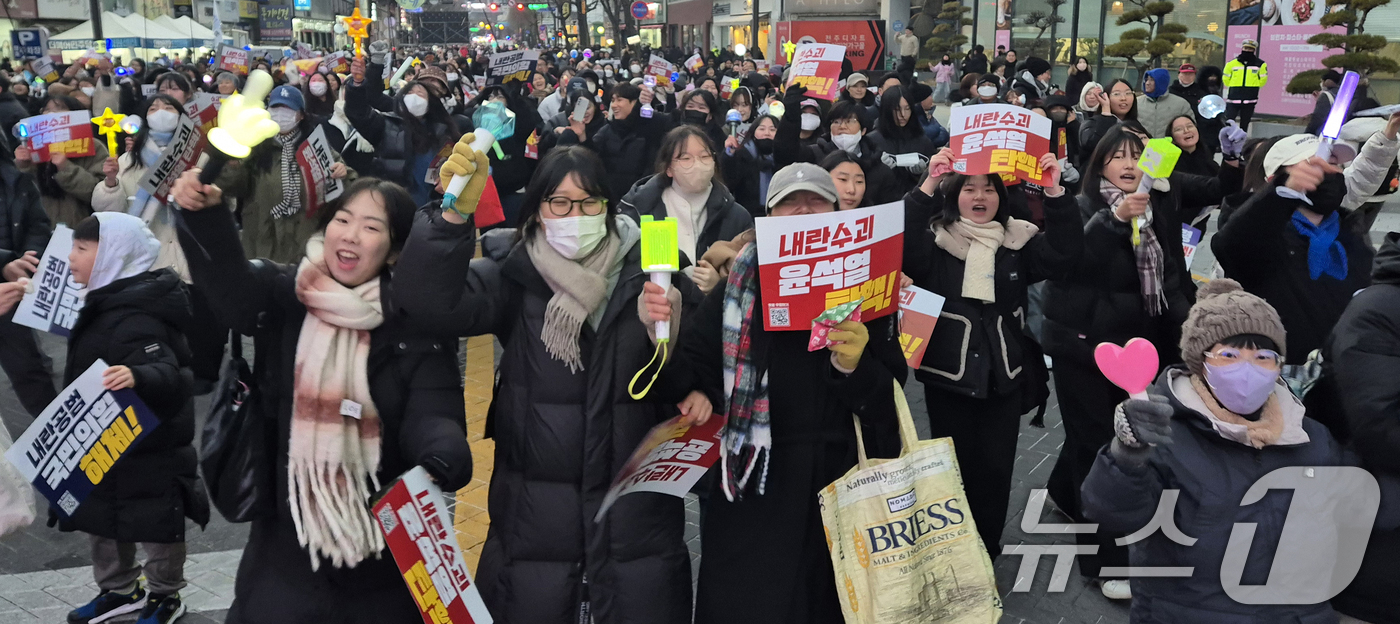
[{"x": 902, "y": 539}]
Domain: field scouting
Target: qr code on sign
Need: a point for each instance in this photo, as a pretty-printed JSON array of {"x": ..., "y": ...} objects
[
  {"x": 68, "y": 503},
  {"x": 778, "y": 315},
  {"x": 388, "y": 520}
]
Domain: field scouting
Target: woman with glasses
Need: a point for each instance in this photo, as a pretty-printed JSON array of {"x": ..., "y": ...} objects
[
  {"x": 564, "y": 303},
  {"x": 1209, "y": 430},
  {"x": 846, "y": 132},
  {"x": 1116, "y": 104},
  {"x": 688, "y": 186}
]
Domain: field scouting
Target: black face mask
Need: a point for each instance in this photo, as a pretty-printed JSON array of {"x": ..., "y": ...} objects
[
  {"x": 1059, "y": 117},
  {"x": 764, "y": 146},
  {"x": 696, "y": 117},
  {"x": 1328, "y": 195}
]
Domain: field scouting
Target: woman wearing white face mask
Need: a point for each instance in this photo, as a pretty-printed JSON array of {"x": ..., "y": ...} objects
[
  {"x": 271, "y": 186},
  {"x": 320, "y": 98},
  {"x": 410, "y": 138},
  {"x": 687, "y": 186},
  {"x": 846, "y": 131},
  {"x": 748, "y": 163},
  {"x": 564, "y": 302}
]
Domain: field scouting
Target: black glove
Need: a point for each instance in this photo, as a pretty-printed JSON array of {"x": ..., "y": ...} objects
[
  {"x": 792, "y": 100},
  {"x": 1138, "y": 425}
]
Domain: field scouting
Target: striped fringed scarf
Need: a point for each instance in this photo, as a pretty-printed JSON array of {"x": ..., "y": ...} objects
[
  {"x": 333, "y": 459},
  {"x": 291, "y": 177},
  {"x": 748, "y": 437},
  {"x": 1148, "y": 254}
]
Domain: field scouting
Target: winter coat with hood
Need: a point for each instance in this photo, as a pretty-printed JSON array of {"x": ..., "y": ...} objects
[
  {"x": 397, "y": 157},
  {"x": 628, "y": 148},
  {"x": 745, "y": 172},
  {"x": 1261, "y": 249},
  {"x": 1157, "y": 108},
  {"x": 138, "y": 321},
  {"x": 977, "y": 347},
  {"x": 1101, "y": 299},
  {"x": 1212, "y": 464},
  {"x": 1074, "y": 86},
  {"x": 1364, "y": 355},
  {"x": 24, "y": 226},
  {"x": 413, "y": 380},
  {"x": 724, "y": 218},
  {"x": 561, "y": 436}
]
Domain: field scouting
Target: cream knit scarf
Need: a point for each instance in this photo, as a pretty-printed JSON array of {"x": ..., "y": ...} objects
[
  {"x": 976, "y": 245},
  {"x": 580, "y": 287},
  {"x": 333, "y": 457}
]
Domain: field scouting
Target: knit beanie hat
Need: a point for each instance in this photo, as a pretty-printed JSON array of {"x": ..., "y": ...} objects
[{"x": 1223, "y": 309}]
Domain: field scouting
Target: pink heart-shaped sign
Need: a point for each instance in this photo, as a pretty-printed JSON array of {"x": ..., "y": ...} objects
[{"x": 1131, "y": 367}]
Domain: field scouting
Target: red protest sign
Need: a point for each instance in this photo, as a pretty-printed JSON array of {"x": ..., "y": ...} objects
[
  {"x": 418, "y": 531},
  {"x": 811, "y": 263},
  {"x": 999, "y": 138},
  {"x": 660, "y": 67},
  {"x": 316, "y": 159},
  {"x": 67, "y": 133},
  {"x": 817, "y": 66},
  {"x": 669, "y": 460},
  {"x": 918, "y": 314},
  {"x": 232, "y": 59}
]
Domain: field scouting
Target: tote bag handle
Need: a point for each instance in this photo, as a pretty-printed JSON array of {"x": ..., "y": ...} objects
[{"x": 908, "y": 435}]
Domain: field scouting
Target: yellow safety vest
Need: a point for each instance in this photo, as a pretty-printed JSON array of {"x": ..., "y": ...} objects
[{"x": 1237, "y": 74}]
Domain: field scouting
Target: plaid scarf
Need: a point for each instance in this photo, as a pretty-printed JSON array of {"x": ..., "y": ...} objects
[
  {"x": 1150, "y": 259},
  {"x": 291, "y": 177},
  {"x": 747, "y": 432}
]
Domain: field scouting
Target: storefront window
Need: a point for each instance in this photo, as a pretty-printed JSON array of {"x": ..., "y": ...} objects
[{"x": 1385, "y": 21}]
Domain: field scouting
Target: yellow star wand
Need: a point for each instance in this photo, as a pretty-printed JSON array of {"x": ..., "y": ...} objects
[
  {"x": 357, "y": 27},
  {"x": 109, "y": 125}
]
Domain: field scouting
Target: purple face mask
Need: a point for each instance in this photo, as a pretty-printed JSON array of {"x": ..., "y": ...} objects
[{"x": 1241, "y": 387}]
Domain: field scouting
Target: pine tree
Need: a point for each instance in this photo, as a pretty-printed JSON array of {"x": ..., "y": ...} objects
[
  {"x": 1357, "y": 50},
  {"x": 1158, "y": 39},
  {"x": 944, "y": 28}
]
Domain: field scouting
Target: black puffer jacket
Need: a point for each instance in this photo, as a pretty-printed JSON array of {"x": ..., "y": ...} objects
[
  {"x": 743, "y": 172},
  {"x": 628, "y": 148},
  {"x": 561, "y": 436},
  {"x": 414, "y": 382},
  {"x": 24, "y": 226},
  {"x": 880, "y": 185},
  {"x": 1363, "y": 354},
  {"x": 393, "y": 140},
  {"x": 724, "y": 219},
  {"x": 136, "y": 322},
  {"x": 978, "y": 346},
  {"x": 1259, "y": 248},
  {"x": 513, "y": 171}
]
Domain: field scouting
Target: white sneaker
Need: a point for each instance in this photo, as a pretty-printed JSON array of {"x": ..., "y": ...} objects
[{"x": 1117, "y": 589}]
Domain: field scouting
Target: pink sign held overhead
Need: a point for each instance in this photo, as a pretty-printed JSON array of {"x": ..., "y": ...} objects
[{"x": 1287, "y": 51}]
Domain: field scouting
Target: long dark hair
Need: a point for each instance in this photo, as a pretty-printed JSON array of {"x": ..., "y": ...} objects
[
  {"x": 675, "y": 142},
  {"x": 951, "y": 186},
  {"x": 425, "y": 137},
  {"x": 1254, "y": 175},
  {"x": 398, "y": 207},
  {"x": 887, "y": 125},
  {"x": 560, "y": 163},
  {"x": 1132, "y": 112},
  {"x": 841, "y": 157},
  {"x": 145, "y": 132},
  {"x": 1116, "y": 138}
]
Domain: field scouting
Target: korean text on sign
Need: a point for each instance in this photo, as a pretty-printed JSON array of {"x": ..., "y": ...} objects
[
  {"x": 68, "y": 133},
  {"x": 999, "y": 138},
  {"x": 918, "y": 314},
  {"x": 232, "y": 59},
  {"x": 660, "y": 67},
  {"x": 53, "y": 306},
  {"x": 514, "y": 66},
  {"x": 419, "y": 533},
  {"x": 669, "y": 460},
  {"x": 810, "y": 263},
  {"x": 817, "y": 66},
  {"x": 74, "y": 443},
  {"x": 315, "y": 158}
]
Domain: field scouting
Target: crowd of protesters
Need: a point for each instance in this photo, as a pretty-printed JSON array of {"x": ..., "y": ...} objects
[{"x": 1277, "y": 355}]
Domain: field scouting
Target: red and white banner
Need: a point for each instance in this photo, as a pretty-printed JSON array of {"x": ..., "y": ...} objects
[
  {"x": 808, "y": 264},
  {"x": 660, "y": 67},
  {"x": 316, "y": 159},
  {"x": 817, "y": 66},
  {"x": 918, "y": 314},
  {"x": 418, "y": 530},
  {"x": 232, "y": 59},
  {"x": 67, "y": 133},
  {"x": 694, "y": 63},
  {"x": 183, "y": 150},
  {"x": 1001, "y": 139},
  {"x": 669, "y": 460}
]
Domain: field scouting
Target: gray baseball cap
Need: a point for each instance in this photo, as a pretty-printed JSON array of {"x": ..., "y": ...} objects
[{"x": 800, "y": 177}]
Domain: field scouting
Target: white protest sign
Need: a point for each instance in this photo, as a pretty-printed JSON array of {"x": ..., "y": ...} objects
[
  {"x": 316, "y": 159},
  {"x": 55, "y": 299},
  {"x": 669, "y": 460}
]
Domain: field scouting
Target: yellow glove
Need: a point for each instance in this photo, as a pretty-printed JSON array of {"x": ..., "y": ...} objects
[
  {"x": 243, "y": 121},
  {"x": 848, "y": 342},
  {"x": 465, "y": 161}
]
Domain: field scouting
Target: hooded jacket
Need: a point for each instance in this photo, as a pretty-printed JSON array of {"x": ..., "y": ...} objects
[
  {"x": 135, "y": 317},
  {"x": 1364, "y": 355},
  {"x": 1212, "y": 470},
  {"x": 1259, "y": 248},
  {"x": 1156, "y": 109}
]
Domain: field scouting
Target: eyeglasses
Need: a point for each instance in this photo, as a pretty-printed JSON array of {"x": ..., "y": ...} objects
[
  {"x": 687, "y": 161},
  {"x": 849, "y": 122},
  {"x": 561, "y": 206},
  {"x": 1265, "y": 358}
]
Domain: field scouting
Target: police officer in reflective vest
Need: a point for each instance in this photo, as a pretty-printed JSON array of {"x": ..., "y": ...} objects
[{"x": 1244, "y": 76}]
